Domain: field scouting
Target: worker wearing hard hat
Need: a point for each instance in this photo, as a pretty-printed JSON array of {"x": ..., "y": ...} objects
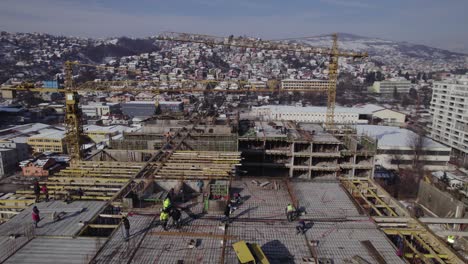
[
  {"x": 290, "y": 211},
  {"x": 164, "y": 218},
  {"x": 451, "y": 240},
  {"x": 167, "y": 203}
]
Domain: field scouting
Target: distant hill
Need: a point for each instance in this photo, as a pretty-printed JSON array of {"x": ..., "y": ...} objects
[
  {"x": 386, "y": 51},
  {"x": 119, "y": 47}
]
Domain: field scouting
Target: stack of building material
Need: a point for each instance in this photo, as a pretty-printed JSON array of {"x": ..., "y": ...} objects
[
  {"x": 199, "y": 165},
  {"x": 89, "y": 180}
]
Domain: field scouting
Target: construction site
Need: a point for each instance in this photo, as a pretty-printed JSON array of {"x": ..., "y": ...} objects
[{"x": 202, "y": 163}]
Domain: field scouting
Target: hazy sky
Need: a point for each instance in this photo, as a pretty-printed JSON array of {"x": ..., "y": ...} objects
[{"x": 438, "y": 23}]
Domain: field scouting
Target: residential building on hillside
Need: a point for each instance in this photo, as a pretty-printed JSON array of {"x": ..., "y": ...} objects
[
  {"x": 292, "y": 84},
  {"x": 387, "y": 88},
  {"x": 144, "y": 96},
  {"x": 395, "y": 148},
  {"x": 449, "y": 109},
  {"x": 121, "y": 98},
  {"x": 100, "y": 109},
  {"x": 171, "y": 106}
]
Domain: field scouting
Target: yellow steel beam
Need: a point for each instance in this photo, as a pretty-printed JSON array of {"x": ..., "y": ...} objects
[
  {"x": 415, "y": 250},
  {"x": 428, "y": 248},
  {"x": 356, "y": 190},
  {"x": 13, "y": 207}
]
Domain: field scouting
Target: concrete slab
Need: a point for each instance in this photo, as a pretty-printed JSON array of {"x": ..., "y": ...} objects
[{"x": 68, "y": 226}]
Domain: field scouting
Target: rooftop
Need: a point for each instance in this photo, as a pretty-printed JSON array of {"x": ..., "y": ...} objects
[
  {"x": 110, "y": 129},
  {"x": 50, "y": 133},
  {"x": 78, "y": 212},
  {"x": 395, "y": 137},
  {"x": 359, "y": 109}
]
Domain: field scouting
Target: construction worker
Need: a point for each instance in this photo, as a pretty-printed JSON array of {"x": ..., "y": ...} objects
[
  {"x": 302, "y": 227},
  {"x": 451, "y": 240},
  {"x": 227, "y": 213},
  {"x": 175, "y": 215},
  {"x": 164, "y": 217},
  {"x": 37, "y": 190},
  {"x": 171, "y": 194},
  {"x": 167, "y": 203},
  {"x": 45, "y": 191},
  {"x": 290, "y": 212},
  {"x": 126, "y": 225},
  {"x": 35, "y": 216},
  {"x": 200, "y": 186},
  {"x": 182, "y": 195}
]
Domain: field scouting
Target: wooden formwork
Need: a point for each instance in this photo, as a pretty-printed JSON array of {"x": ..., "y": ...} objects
[{"x": 199, "y": 165}]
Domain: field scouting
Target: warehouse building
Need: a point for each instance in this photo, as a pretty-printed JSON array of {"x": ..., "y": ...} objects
[
  {"x": 361, "y": 114},
  {"x": 395, "y": 148},
  {"x": 139, "y": 108}
]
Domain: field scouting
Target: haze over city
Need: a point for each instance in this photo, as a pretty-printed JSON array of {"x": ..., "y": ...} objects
[
  {"x": 431, "y": 22},
  {"x": 234, "y": 132}
]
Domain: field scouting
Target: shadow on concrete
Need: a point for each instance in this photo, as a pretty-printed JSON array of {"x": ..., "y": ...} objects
[{"x": 277, "y": 252}]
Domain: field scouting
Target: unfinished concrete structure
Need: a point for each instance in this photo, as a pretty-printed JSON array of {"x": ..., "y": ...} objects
[
  {"x": 305, "y": 151},
  {"x": 204, "y": 137},
  {"x": 353, "y": 218}
]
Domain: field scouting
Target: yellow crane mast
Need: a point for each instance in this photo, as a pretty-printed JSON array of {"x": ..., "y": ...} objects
[
  {"x": 242, "y": 42},
  {"x": 73, "y": 115}
]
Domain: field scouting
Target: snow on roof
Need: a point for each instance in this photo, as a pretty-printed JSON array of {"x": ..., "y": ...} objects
[
  {"x": 170, "y": 102},
  {"x": 25, "y": 131},
  {"x": 39, "y": 162},
  {"x": 141, "y": 102},
  {"x": 395, "y": 137},
  {"x": 114, "y": 128},
  {"x": 358, "y": 109},
  {"x": 50, "y": 133},
  {"x": 298, "y": 80}
]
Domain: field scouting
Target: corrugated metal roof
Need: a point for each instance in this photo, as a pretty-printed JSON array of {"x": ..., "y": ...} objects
[
  {"x": 9, "y": 245},
  {"x": 68, "y": 226},
  {"x": 388, "y": 136},
  {"x": 57, "y": 250}
]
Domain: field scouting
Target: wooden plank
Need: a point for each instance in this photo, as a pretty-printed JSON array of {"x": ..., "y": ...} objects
[{"x": 103, "y": 226}]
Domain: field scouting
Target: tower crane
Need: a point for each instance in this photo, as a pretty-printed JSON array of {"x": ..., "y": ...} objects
[
  {"x": 73, "y": 115},
  {"x": 242, "y": 42}
]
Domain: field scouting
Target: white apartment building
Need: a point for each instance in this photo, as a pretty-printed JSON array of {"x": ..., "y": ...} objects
[
  {"x": 449, "y": 110},
  {"x": 100, "y": 109},
  {"x": 387, "y": 88},
  {"x": 292, "y": 84}
]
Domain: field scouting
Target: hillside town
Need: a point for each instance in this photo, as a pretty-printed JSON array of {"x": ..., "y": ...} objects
[{"x": 108, "y": 134}]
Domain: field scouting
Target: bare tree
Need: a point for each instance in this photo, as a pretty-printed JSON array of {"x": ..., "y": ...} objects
[{"x": 417, "y": 144}]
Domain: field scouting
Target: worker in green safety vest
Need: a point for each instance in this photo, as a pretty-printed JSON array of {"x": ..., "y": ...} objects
[
  {"x": 290, "y": 211},
  {"x": 164, "y": 218},
  {"x": 167, "y": 204},
  {"x": 451, "y": 240}
]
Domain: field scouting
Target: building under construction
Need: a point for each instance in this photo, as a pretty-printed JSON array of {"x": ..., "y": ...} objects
[
  {"x": 326, "y": 176},
  {"x": 305, "y": 151}
]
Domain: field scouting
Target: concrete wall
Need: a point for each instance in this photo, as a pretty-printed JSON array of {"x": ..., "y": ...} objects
[
  {"x": 8, "y": 161},
  {"x": 439, "y": 202}
]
